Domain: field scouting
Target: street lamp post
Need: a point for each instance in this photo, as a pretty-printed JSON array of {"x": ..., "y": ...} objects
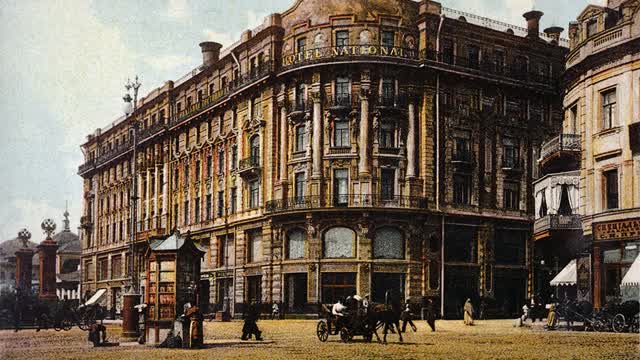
[{"x": 132, "y": 298}]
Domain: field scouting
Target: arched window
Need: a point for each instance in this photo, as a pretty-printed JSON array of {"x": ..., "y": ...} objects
[
  {"x": 388, "y": 244},
  {"x": 339, "y": 242},
  {"x": 295, "y": 244}
]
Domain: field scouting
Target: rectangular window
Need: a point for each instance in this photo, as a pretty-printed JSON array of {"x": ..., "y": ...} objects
[
  {"x": 299, "y": 186},
  {"x": 301, "y": 45},
  {"x": 254, "y": 194},
  {"x": 387, "y": 39},
  {"x": 256, "y": 108},
  {"x": 387, "y": 184},
  {"x": 592, "y": 27},
  {"x": 186, "y": 173},
  {"x": 211, "y": 88},
  {"x": 197, "y": 210},
  {"x": 342, "y": 38},
  {"x": 609, "y": 109},
  {"x": 161, "y": 117},
  {"x": 232, "y": 200},
  {"x": 499, "y": 61},
  {"x": 461, "y": 189},
  {"x": 341, "y": 186},
  {"x": 186, "y": 213},
  {"x": 462, "y": 146},
  {"x": 341, "y": 134},
  {"x": 220, "y": 162},
  {"x": 197, "y": 171},
  {"x": 510, "y": 157},
  {"x": 103, "y": 269},
  {"x": 200, "y": 96},
  {"x": 255, "y": 246},
  {"x": 387, "y": 136},
  {"x": 234, "y": 157},
  {"x": 611, "y": 191},
  {"x": 448, "y": 52},
  {"x": 300, "y": 143},
  {"x": 300, "y": 89},
  {"x": 388, "y": 91},
  {"x": 343, "y": 91},
  {"x": 511, "y": 196},
  {"x": 220, "y": 203},
  {"x": 209, "y": 165},
  {"x": 208, "y": 209},
  {"x": 473, "y": 55},
  {"x": 573, "y": 119}
]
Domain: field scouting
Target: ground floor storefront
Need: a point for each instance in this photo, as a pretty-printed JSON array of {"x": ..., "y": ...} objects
[{"x": 304, "y": 260}]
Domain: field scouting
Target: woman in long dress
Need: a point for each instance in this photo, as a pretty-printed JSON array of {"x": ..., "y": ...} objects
[{"x": 468, "y": 312}]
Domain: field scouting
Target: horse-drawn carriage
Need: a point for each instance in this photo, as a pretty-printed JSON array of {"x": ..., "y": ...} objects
[
  {"x": 614, "y": 316},
  {"x": 353, "y": 323}
]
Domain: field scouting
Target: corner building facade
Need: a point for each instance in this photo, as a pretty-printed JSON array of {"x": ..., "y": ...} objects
[{"x": 341, "y": 148}]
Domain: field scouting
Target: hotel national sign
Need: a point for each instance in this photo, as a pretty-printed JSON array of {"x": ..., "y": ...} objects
[
  {"x": 348, "y": 52},
  {"x": 617, "y": 230}
]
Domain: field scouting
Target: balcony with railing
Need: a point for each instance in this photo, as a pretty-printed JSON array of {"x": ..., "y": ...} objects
[
  {"x": 342, "y": 103},
  {"x": 238, "y": 84},
  {"x": 565, "y": 147},
  {"x": 557, "y": 222},
  {"x": 86, "y": 167},
  {"x": 392, "y": 101},
  {"x": 105, "y": 157},
  {"x": 151, "y": 131},
  {"x": 492, "y": 67},
  {"x": 346, "y": 201},
  {"x": 249, "y": 166}
]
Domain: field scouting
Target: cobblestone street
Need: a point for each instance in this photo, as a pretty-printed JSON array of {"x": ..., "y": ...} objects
[{"x": 291, "y": 339}]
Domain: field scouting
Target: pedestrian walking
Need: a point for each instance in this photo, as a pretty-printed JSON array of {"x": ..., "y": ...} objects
[
  {"x": 552, "y": 318},
  {"x": 406, "y": 318},
  {"x": 275, "y": 311},
  {"x": 468, "y": 312},
  {"x": 250, "y": 326},
  {"x": 431, "y": 315}
]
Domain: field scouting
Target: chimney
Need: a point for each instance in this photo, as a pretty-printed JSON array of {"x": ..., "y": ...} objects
[
  {"x": 554, "y": 34},
  {"x": 210, "y": 52},
  {"x": 533, "y": 23}
]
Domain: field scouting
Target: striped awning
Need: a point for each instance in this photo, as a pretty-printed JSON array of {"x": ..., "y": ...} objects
[
  {"x": 568, "y": 275},
  {"x": 632, "y": 277}
]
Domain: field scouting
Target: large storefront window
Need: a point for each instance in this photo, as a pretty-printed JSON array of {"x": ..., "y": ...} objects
[
  {"x": 617, "y": 261},
  {"x": 460, "y": 244},
  {"x": 338, "y": 242},
  {"x": 388, "y": 244},
  {"x": 337, "y": 285},
  {"x": 510, "y": 247}
]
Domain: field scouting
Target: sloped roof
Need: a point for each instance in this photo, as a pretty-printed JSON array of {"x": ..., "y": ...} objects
[
  {"x": 632, "y": 277},
  {"x": 568, "y": 276}
]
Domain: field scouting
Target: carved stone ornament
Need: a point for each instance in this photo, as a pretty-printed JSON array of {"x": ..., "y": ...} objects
[
  {"x": 365, "y": 37},
  {"x": 319, "y": 39},
  {"x": 410, "y": 42}
]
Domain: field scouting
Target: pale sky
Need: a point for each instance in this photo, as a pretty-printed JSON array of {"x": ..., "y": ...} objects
[{"x": 63, "y": 64}]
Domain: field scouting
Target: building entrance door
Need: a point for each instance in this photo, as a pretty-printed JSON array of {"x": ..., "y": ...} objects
[
  {"x": 383, "y": 282},
  {"x": 254, "y": 289},
  {"x": 296, "y": 292}
]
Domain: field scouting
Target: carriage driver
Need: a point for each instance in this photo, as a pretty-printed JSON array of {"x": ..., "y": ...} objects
[{"x": 339, "y": 311}]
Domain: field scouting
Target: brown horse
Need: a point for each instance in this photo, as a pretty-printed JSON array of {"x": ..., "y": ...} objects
[{"x": 387, "y": 316}]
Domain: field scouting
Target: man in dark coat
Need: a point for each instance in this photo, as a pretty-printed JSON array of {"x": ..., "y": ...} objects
[
  {"x": 431, "y": 315},
  {"x": 250, "y": 327},
  {"x": 406, "y": 317}
]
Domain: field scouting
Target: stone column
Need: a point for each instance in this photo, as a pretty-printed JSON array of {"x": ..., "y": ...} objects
[
  {"x": 411, "y": 142},
  {"x": 363, "y": 164},
  {"x": 284, "y": 142},
  {"x": 317, "y": 136}
]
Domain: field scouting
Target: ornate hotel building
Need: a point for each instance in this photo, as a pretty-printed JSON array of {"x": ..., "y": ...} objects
[
  {"x": 339, "y": 148},
  {"x": 602, "y": 107}
]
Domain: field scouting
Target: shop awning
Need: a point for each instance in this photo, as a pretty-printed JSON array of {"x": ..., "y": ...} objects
[
  {"x": 632, "y": 277},
  {"x": 96, "y": 296},
  {"x": 568, "y": 275}
]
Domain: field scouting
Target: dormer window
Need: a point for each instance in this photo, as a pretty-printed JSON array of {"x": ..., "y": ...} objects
[
  {"x": 342, "y": 38},
  {"x": 301, "y": 44},
  {"x": 592, "y": 27}
]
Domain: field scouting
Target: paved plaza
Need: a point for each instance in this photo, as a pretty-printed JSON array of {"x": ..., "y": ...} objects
[{"x": 296, "y": 339}]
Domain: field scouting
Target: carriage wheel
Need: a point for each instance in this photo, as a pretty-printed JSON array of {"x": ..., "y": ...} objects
[
  {"x": 322, "y": 330},
  {"x": 618, "y": 323},
  {"x": 67, "y": 324},
  {"x": 345, "y": 335}
]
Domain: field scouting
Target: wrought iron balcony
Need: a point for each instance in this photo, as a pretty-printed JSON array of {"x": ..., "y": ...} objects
[
  {"x": 342, "y": 102},
  {"x": 562, "y": 142},
  {"x": 218, "y": 96},
  {"x": 151, "y": 131},
  {"x": 515, "y": 70},
  {"x": 392, "y": 101},
  {"x": 86, "y": 167},
  {"x": 347, "y": 201},
  {"x": 557, "y": 222},
  {"x": 250, "y": 165}
]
